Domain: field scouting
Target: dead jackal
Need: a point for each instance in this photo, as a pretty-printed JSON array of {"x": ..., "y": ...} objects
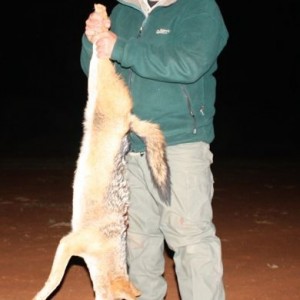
[{"x": 100, "y": 191}]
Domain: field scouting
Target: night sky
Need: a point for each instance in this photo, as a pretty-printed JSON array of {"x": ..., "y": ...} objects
[{"x": 43, "y": 90}]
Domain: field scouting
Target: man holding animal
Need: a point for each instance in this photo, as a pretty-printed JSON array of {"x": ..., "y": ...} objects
[{"x": 166, "y": 51}]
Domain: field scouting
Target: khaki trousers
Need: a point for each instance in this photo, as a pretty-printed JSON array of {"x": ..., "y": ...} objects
[{"x": 186, "y": 226}]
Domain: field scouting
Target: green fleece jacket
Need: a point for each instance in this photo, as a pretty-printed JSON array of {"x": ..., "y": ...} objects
[{"x": 167, "y": 55}]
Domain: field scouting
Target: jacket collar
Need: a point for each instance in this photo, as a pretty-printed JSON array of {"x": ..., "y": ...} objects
[{"x": 143, "y": 5}]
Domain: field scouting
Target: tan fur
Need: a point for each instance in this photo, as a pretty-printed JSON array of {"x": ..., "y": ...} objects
[{"x": 100, "y": 192}]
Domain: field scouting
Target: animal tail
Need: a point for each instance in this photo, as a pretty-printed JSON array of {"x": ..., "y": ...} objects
[{"x": 156, "y": 155}]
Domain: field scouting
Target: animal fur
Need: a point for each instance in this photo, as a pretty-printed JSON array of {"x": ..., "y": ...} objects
[{"x": 100, "y": 190}]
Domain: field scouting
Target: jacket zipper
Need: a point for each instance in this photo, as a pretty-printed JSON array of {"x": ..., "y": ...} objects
[
  {"x": 138, "y": 36},
  {"x": 189, "y": 105},
  {"x": 142, "y": 27},
  {"x": 140, "y": 32}
]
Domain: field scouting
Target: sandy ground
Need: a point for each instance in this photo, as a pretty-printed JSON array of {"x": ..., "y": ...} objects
[{"x": 256, "y": 211}]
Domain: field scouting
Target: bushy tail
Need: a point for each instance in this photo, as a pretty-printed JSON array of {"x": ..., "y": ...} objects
[{"x": 156, "y": 154}]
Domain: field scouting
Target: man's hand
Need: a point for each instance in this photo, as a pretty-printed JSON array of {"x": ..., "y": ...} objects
[
  {"x": 97, "y": 31},
  {"x": 105, "y": 44},
  {"x": 94, "y": 25}
]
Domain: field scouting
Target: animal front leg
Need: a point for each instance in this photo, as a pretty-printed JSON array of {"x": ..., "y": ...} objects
[
  {"x": 122, "y": 288},
  {"x": 98, "y": 265},
  {"x": 109, "y": 277},
  {"x": 61, "y": 259}
]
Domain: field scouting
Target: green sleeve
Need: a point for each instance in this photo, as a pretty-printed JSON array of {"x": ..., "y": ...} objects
[
  {"x": 86, "y": 54},
  {"x": 193, "y": 50}
]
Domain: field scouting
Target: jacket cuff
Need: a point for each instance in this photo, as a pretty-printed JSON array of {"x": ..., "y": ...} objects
[
  {"x": 86, "y": 54},
  {"x": 118, "y": 50}
]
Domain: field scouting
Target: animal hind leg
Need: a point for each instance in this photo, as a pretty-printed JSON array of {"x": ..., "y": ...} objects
[{"x": 62, "y": 256}]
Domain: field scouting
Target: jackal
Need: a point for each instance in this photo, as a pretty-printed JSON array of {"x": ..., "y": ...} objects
[{"x": 100, "y": 190}]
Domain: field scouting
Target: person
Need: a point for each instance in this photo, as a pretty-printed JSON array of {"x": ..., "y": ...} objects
[{"x": 167, "y": 51}]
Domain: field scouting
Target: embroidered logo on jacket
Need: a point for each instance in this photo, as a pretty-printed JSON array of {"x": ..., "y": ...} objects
[{"x": 163, "y": 31}]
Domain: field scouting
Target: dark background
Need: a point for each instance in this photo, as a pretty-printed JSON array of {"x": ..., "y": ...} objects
[{"x": 43, "y": 90}]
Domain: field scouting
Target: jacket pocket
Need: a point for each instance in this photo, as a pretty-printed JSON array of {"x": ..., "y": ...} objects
[{"x": 189, "y": 107}]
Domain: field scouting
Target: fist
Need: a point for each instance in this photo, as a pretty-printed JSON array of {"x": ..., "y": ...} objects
[
  {"x": 105, "y": 43},
  {"x": 96, "y": 24}
]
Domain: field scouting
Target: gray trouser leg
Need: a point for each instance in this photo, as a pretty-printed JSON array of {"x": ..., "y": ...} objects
[
  {"x": 186, "y": 226},
  {"x": 144, "y": 239}
]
